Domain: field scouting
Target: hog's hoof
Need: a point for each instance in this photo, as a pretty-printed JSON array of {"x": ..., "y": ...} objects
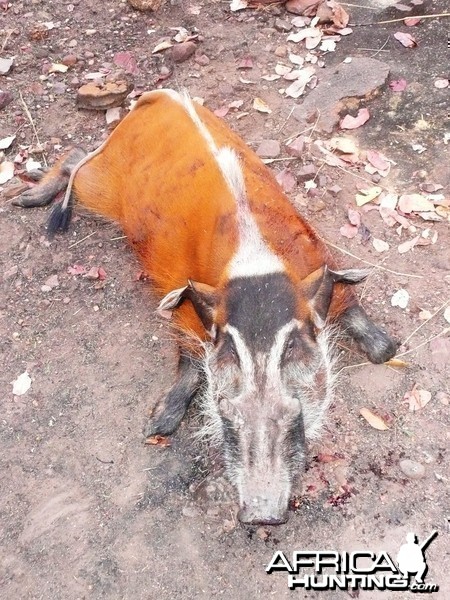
[
  {"x": 162, "y": 422},
  {"x": 35, "y": 196},
  {"x": 381, "y": 349}
]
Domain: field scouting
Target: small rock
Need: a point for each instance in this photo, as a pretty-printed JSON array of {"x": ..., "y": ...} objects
[
  {"x": 335, "y": 190},
  {"x": 297, "y": 146},
  {"x": 183, "y": 51},
  {"x": 269, "y": 149},
  {"x": 72, "y": 43},
  {"x": 46, "y": 288},
  {"x": 52, "y": 281},
  {"x": 282, "y": 25},
  {"x": 69, "y": 60},
  {"x": 318, "y": 205},
  {"x": 306, "y": 172},
  {"x": 376, "y": 178},
  {"x": 228, "y": 526},
  {"x": 59, "y": 88},
  {"x": 5, "y": 99},
  {"x": 322, "y": 181},
  {"x": 412, "y": 469},
  {"x": 262, "y": 533},
  {"x": 201, "y": 59},
  {"x": 443, "y": 398},
  {"x": 5, "y": 65},
  {"x": 103, "y": 95},
  {"x": 190, "y": 511},
  {"x": 66, "y": 300},
  {"x": 281, "y": 51}
]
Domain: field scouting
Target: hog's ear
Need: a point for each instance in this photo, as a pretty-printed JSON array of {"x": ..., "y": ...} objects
[
  {"x": 318, "y": 289},
  {"x": 202, "y": 296}
]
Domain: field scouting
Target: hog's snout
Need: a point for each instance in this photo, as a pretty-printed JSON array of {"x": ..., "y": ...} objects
[{"x": 262, "y": 511}]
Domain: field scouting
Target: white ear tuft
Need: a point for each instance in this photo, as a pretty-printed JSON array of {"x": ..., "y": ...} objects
[{"x": 170, "y": 301}]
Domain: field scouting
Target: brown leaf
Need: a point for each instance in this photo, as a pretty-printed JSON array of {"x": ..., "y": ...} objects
[
  {"x": 398, "y": 85},
  {"x": 409, "y": 203},
  {"x": 408, "y": 245},
  {"x": 354, "y": 216},
  {"x": 348, "y": 230},
  {"x": 374, "y": 420},
  {"x": 221, "y": 112},
  {"x": 76, "y": 270},
  {"x": 396, "y": 362},
  {"x": 287, "y": 180},
  {"x": 406, "y": 39},
  {"x": 378, "y": 160},
  {"x": 245, "y": 63},
  {"x": 127, "y": 62},
  {"x": 158, "y": 440},
  {"x": 411, "y": 21},
  {"x": 261, "y": 106},
  {"x": 416, "y": 398},
  {"x": 350, "y": 122}
]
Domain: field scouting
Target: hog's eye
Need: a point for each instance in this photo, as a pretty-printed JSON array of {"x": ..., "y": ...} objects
[
  {"x": 227, "y": 352},
  {"x": 291, "y": 346}
]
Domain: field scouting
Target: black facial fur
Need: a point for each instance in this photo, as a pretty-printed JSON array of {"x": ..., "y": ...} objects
[{"x": 259, "y": 306}]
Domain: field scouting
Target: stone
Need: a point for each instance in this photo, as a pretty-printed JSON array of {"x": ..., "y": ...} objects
[
  {"x": 69, "y": 60},
  {"x": 183, "y": 51},
  {"x": 360, "y": 79},
  {"x": 5, "y": 98},
  {"x": 297, "y": 146},
  {"x": 282, "y": 25},
  {"x": 281, "y": 51},
  {"x": 269, "y": 149},
  {"x": 306, "y": 172},
  {"x": 103, "y": 95},
  {"x": 5, "y": 65},
  {"x": 146, "y": 4},
  {"x": 412, "y": 469}
]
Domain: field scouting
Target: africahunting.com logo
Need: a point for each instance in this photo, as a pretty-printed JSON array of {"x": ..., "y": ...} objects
[{"x": 364, "y": 570}]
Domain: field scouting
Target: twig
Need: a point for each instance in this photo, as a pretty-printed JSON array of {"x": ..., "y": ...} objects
[
  {"x": 121, "y": 237},
  {"x": 381, "y": 49},
  {"x": 443, "y": 332},
  {"x": 363, "y": 364},
  {"x": 360, "y": 177},
  {"x": 27, "y": 112},
  {"x": 288, "y": 117},
  {"x": 373, "y": 50},
  {"x": 371, "y": 263},
  {"x": 359, "y": 6},
  {"x": 8, "y": 35},
  {"x": 314, "y": 126},
  {"x": 401, "y": 19},
  {"x": 424, "y": 323},
  {"x": 82, "y": 240}
]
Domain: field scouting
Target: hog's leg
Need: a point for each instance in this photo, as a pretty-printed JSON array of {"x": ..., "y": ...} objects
[
  {"x": 51, "y": 183},
  {"x": 169, "y": 412},
  {"x": 377, "y": 344}
]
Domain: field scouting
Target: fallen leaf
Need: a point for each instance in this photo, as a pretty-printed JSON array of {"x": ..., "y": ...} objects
[
  {"x": 6, "y": 171},
  {"x": 350, "y": 122},
  {"x": 344, "y": 145},
  {"x": 408, "y": 245},
  {"x": 261, "y": 106},
  {"x": 236, "y": 5},
  {"x": 378, "y": 160},
  {"x": 400, "y": 298},
  {"x": 282, "y": 69},
  {"x": 416, "y": 399},
  {"x": 396, "y": 362},
  {"x": 32, "y": 165},
  {"x": 76, "y": 270},
  {"x": 367, "y": 195},
  {"x": 270, "y": 77},
  {"x": 162, "y": 46},
  {"x": 380, "y": 245},
  {"x": 221, "y": 112},
  {"x": 287, "y": 180},
  {"x": 22, "y": 384},
  {"x": 349, "y": 231},
  {"x": 354, "y": 217},
  {"x": 6, "y": 142},
  {"x": 411, "y": 21},
  {"x": 447, "y": 314},
  {"x": 406, "y": 39},
  {"x": 374, "y": 420},
  {"x": 58, "y": 68},
  {"x": 398, "y": 85},
  {"x": 158, "y": 440},
  {"x": 296, "y": 59},
  {"x": 409, "y": 203},
  {"x": 112, "y": 115},
  {"x": 236, "y": 104},
  {"x": 296, "y": 89},
  {"x": 127, "y": 62},
  {"x": 5, "y": 65}
]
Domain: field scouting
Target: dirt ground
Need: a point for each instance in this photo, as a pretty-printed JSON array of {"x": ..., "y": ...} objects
[{"x": 86, "y": 509}]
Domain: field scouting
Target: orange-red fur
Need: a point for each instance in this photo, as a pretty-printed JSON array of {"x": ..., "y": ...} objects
[{"x": 157, "y": 177}]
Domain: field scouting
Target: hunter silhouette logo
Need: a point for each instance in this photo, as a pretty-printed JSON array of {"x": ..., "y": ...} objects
[
  {"x": 411, "y": 557},
  {"x": 362, "y": 569}
]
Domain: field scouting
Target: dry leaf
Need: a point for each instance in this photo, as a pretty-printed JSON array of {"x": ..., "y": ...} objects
[
  {"x": 6, "y": 171},
  {"x": 379, "y": 161},
  {"x": 22, "y": 384},
  {"x": 349, "y": 122},
  {"x": 380, "y": 245},
  {"x": 348, "y": 230},
  {"x": 400, "y": 298},
  {"x": 287, "y": 180},
  {"x": 396, "y": 362},
  {"x": 127, "y": 62},
  {"x": 367, "y": 195},
  {"x": 261, "y": 106},
  {"x": 406, "y": 39},
  {"x": 296, "y": 89},
  {"x": 411, "y": 21},
  {"x": 447, "y": 314},
  {"x": 408, "y": 245},
  {"x": 58, "y": 68},
  {"x": 354, "y": 217},
  {"x": 158, "y": 440},
  {"x": 409, "y": 203},
  {"x": 236, "y": 5},
  {"x": 416, "y": 399},
  {"x": 344, "y": 145},
  {"x": 398, "y": 85},
  {"x": 374, "y": 420},
  {"x": 162, "y": 46},
  {"x": 282, "y": 69},
  {"x": 6, "y": 142}
]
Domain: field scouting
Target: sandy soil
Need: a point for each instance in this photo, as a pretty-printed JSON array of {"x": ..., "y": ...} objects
[{"x": 86, "y": 509}]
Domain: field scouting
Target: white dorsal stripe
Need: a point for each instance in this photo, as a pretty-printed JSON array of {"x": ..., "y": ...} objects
[{"x": 253, "y": 257}]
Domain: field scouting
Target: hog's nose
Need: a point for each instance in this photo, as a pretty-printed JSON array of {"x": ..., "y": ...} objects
[{"x": 261, "y": 511}]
